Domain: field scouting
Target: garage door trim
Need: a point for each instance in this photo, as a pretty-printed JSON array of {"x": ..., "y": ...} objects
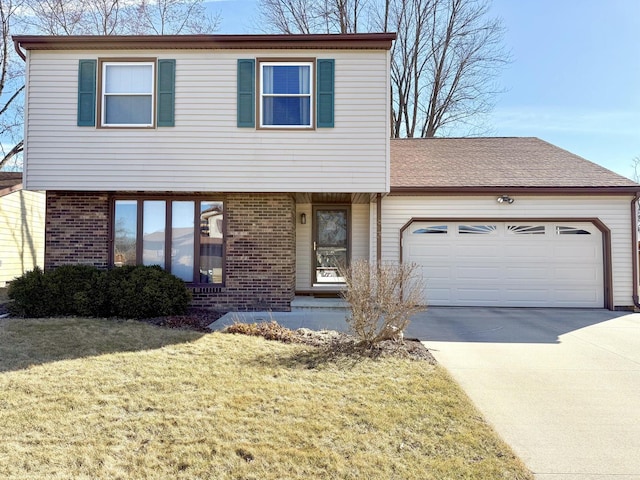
[{"x": 606, "y": 239}]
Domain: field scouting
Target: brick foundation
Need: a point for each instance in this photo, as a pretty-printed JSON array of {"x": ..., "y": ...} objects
[{"x": 260, "y": 246}]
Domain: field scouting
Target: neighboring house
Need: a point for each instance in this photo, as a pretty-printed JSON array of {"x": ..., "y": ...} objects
[
  {"x": 21, "y": 228},
  {"x": 252, "y": 165}
]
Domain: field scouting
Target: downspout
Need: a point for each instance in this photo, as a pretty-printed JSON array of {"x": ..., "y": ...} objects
[
  {"x": 379, "y": 229},
  {"x": 634, "y": 247},
  {"x": 19, "y": 51}
]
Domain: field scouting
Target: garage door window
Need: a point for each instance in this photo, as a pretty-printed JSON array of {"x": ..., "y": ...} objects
[
  {"x": 525, "y": 229},
  {"x": 560, "y": 230},
  {"x": 432, "y": 229},
  {"x": 477, "y": 229}
]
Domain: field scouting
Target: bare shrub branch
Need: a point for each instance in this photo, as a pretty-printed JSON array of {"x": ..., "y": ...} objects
[{"x": 382, "y": 299}]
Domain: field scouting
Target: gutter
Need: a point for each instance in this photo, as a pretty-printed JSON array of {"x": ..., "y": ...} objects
[
  {"x": 634, "y": 245},
  {"x": 16, "y": 45}
]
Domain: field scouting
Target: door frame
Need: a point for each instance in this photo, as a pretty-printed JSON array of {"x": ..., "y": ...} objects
[{"x": 314, "y": 236}]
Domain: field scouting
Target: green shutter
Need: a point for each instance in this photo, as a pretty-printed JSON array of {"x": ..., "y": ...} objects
[
  {"x": 166, "y": 93},
  {"x": 87, "y": 93},
  {"x": 246, "y": 93},
  {"x": 325, "y": 82}
]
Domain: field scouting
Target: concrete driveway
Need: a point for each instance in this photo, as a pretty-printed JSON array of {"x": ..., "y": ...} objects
[{"x": 561, "y": 386}]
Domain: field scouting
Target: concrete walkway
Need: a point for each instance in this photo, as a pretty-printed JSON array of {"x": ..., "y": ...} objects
[{"x": 561, "y": 386}]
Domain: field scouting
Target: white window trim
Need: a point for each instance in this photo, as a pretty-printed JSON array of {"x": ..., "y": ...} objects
[
  {"x": 103, "y": 95},
  {"x": 310, "y": 94}
]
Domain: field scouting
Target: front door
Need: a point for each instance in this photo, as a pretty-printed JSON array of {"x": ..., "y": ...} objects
[{"x": 331, "y": 243}]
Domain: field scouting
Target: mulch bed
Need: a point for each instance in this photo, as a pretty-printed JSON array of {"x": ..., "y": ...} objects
[
  {"x": 331, "y": 342},
  {"x": 197, "y": 319}
]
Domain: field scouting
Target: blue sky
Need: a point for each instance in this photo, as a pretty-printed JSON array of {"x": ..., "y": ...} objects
[{"x": 574, "y": 80}]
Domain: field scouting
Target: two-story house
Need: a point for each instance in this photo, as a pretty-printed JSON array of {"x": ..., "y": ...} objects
[{"x": 251, "y": 166}]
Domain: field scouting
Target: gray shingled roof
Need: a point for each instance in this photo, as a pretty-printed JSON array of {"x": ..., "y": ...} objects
[
  {"x": 10, "y": 179},
  {"x": 447, "y": 163}
]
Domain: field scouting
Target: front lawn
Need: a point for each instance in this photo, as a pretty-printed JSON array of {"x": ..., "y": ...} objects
[{"x": 113, "y": 399}]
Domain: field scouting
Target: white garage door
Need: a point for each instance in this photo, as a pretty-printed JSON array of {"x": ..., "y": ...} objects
[{"x": 512, "y": 264}]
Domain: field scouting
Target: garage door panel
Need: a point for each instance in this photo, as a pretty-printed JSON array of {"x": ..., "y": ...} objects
[
  {"x": 526, "y": 273},
  {"x": 438, "y": 296},
  {"x": 576, "y": 251},
  {"x": 503, "y": 265},
  {"x": 577, "y": 275},
  {"x": 486, "y": 295},
  {"x": 526, "y": 250},
  {"x": 526, "y": 294},
  {"x": 472, "y": 272},
  {"x": 573, "y": 297},
  {"x": 475, "y": 251}
]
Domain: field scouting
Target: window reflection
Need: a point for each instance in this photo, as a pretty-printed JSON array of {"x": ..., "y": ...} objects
[
  {"x": 182, "y": 239},
  {"x": 125, "y": 229},
  {"x": 153, "y": 231},
  {"x": 211, "y": 228}
]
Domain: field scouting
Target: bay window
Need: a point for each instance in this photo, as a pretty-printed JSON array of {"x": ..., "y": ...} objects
[{"x": 183, "y": 236}]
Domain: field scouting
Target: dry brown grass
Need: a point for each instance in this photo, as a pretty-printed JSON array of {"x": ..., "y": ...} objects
[{"x": 101, "y": 399}]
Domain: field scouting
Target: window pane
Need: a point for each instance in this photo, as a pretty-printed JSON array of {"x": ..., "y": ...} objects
[
  {"x": 286, "y": 111},
  {"x": 477, "y": 229},
  {"x": 153, "y": 228},
  {"x": 211, "y": 233},
  {"x": 128, "y": 110},
  {"x": 125, "y": 229},
  {"x": 128, "y": 78},
  {"x": 286, "y": 79},
  {"x": 571, "y": 231},
  {"x": 182, "y": 240},
  {"x": 432, "y": 229}
]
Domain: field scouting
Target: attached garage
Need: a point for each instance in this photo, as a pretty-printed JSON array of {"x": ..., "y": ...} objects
[
  {"x": 510, "y": 222},
  {"x": 508, "y": 264}
]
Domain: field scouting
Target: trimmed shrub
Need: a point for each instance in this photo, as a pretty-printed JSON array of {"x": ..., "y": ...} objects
[
  {"x": 126, "y": 292},
  {"x": 29, "y": 295},
  {"x": 73, "y": 290},
  {"x": 144, "y": 292}
]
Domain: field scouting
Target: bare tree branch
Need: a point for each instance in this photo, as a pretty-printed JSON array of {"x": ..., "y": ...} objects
[
  {"x": 11, "y": 154},
  {"x": 444, "y": 61}
]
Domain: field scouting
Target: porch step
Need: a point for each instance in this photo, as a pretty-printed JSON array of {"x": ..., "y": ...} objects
[{"x": 306, "y": 303}]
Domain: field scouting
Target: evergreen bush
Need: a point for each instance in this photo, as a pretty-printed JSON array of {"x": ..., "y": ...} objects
[{"x": 125, "y": 292}]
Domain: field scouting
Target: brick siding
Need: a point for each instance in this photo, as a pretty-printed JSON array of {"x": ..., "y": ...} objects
[
  {"x": 260, "y": 246},
  {"x": 77, "y": 229}
]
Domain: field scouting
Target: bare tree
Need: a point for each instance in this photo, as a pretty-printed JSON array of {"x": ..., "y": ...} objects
[
  {"x": 312, "y": 16},
  {"x": 117, "y": 17},
  {"x": 11, "y": 88},
  {"x": 444, "y": 61},
  {"x": 162, "y": 17}
]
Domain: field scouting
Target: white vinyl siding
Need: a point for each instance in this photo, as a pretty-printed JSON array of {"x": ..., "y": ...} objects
[
  {"x": 613, "y": 211},
  {"x": 22, "y": 216},
  {"x": 206, "y": 151}
]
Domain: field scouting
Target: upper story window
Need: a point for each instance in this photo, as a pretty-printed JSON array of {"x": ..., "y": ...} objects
[
  {"x": 127, "y": 95},
  {"x": 286, "y": 94},
  {"x": 124, "y": 92}
]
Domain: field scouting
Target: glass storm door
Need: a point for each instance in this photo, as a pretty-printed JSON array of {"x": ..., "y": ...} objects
[{"x": 331, "y": 243}]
